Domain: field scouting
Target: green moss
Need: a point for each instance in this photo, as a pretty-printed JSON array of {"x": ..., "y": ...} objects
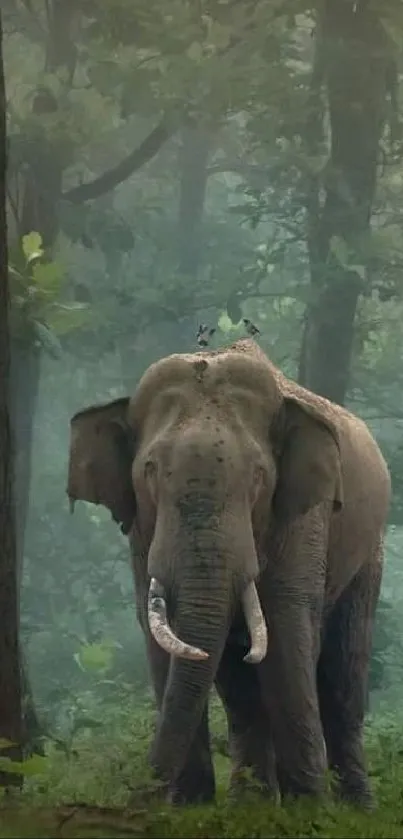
[{"x": 102, "y": 788}]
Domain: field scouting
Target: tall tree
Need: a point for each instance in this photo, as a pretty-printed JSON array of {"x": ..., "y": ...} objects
[
  {"x": 193, "y": 160},
  {"x": 10, "y": 678},
  {"x": 352, "y": 67}
]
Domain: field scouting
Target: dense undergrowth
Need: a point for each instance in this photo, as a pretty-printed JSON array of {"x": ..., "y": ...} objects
[{"x": 98, "y": 785}]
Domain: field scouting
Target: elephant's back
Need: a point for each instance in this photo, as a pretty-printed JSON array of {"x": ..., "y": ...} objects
[{"x": 364, "y": 469}]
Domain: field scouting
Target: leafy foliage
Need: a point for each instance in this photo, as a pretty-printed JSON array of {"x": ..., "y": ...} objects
[
  {"x": 36, "y": 286},
  {"x": 107, "y": 771}
]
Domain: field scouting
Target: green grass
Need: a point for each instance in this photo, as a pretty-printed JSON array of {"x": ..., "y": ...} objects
[{"x": 101, "y": 788}]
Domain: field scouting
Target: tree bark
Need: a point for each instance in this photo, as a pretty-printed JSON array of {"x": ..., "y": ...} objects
[
  {"x": 25, "y": 374},
  {"x": 10, "y": 673},
  {"x": 352, "y": 62}
]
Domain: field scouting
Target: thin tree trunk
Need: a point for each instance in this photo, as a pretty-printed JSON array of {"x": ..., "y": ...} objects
[
  {"x": 193, "y": 160},
  {"x": 25, "y": 373},
  {"x": 10, "y": 674},
  {"x": 352, "y": 61}
]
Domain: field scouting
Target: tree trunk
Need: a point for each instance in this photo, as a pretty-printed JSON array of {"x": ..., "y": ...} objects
[
  {"x": 10, "y": 680},
  {"x": 352, "y": 60},
  {"x": 25, "y": 373},
  {"x": 194, "y": 154}
]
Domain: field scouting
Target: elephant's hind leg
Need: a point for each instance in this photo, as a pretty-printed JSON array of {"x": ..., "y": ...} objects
[
  {"x": 343, "y": 682},
  {"x": 250, "y": 740}
]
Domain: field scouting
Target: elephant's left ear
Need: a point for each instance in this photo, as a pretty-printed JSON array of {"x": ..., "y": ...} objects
[
  {"x": 101, "y": 457},
  {"x": 308, "y": 464}
]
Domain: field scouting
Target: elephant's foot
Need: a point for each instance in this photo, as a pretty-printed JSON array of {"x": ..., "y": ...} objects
[
  {"x": 302, "y": 785},
  {"x": 253, "y": 765},
  {"x": 246, "y": 779},
  {"x": 355, "y": 791},
  {"x": 195, "y": 786},
  {"x": 196, "y": 782}
]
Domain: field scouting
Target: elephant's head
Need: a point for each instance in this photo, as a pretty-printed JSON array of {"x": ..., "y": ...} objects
[{"x": 212, "y": 449}]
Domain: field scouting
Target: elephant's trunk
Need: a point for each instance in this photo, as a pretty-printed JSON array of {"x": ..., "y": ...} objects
[
  {"x": 203, "y": 556},
  {"x": 202, "y": 619},
  {"x": 209, "y": 585}
]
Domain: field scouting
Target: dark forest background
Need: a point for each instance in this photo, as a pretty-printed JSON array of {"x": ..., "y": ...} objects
[{"x": 170, "y": 164}]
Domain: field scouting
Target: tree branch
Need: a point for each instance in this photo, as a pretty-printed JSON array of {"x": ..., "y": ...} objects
[{"x": 134, "y": 161}]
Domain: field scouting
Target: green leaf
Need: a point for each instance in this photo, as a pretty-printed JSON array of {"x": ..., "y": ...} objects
[
  {"x": 95, "y": 656},
  {"x": 226, "y": 325},
  {"x": 64, "y": 318},
  {"x": 32, "y": 246},
  {"x": 34, "y": 765},
  {"x": 48, "y": 277}
]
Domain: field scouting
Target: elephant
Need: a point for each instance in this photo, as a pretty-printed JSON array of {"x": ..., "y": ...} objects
[{"x": 255, "y": 511}]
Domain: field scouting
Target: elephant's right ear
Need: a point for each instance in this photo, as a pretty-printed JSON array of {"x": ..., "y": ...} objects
[{"x": 101, "y": 457}]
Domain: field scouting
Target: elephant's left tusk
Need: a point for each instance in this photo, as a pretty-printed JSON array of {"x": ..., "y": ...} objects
[
  {"x": 161, "y": 630},
  {"x": 256, "y": 624}
]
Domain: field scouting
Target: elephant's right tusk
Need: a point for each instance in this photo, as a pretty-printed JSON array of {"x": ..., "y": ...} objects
[
  {"x": 160, "y": 629},
  {"x": 256, "y": 624}
]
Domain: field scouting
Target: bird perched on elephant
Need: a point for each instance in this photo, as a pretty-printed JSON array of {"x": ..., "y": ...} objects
[{"x": 255, "y": 511}]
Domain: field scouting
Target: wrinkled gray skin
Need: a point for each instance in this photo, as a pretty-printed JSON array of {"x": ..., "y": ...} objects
[{"x": 225, "y": 472}]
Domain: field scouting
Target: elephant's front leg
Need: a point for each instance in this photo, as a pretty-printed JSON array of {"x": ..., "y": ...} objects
[
  {"x": 291, "y": 591},
  {"x": 249, "y": 730},
  {"x": 289, "y": 683}
]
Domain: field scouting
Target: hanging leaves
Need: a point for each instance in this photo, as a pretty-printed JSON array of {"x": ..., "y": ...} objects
[{"x": 36, "y": 308}]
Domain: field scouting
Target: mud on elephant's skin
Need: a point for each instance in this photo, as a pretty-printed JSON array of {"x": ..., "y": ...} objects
[{"x": 250, "y": 503}]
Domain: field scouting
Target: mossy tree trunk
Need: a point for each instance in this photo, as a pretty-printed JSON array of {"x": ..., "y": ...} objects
[
  {"x": 11, "y": 727},
  {"x": 351, "y": 70}
]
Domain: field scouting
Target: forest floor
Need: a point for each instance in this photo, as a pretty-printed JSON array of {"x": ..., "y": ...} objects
[{"x": 99, "y": 787}]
